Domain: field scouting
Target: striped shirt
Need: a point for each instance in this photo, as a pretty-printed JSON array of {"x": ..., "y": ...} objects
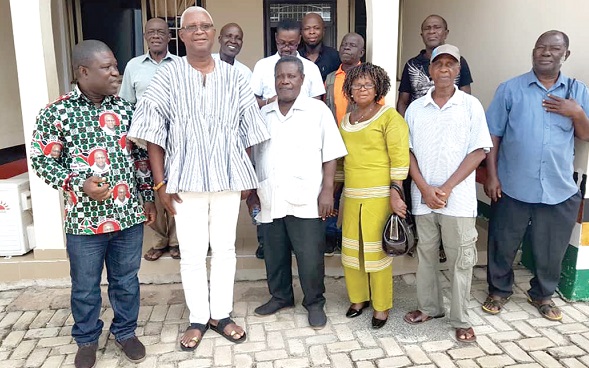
[
  {"x": 440, "y": 139},
  {"x": 204, "y": 126}
]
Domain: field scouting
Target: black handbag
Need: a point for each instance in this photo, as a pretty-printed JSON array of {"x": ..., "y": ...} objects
[{"x": 399, "y": 235}]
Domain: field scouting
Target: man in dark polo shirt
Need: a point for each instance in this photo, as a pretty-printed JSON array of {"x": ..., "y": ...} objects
[{"x": 326, "y": 58}]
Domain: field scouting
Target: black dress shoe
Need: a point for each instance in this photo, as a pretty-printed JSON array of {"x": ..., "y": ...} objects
[
  {"x": 351, "y": 313},
  {"x": 271, "y": 307},
  {"x": 378, "y": 323}
]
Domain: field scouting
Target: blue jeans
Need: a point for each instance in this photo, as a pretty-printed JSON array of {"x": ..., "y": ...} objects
[{"x": 121, "y": 251}]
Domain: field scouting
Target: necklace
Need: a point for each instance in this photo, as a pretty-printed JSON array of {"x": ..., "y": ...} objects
[{"x": 366, "y": 113}]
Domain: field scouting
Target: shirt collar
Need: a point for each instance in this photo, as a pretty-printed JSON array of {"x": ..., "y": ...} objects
[
  {"x": 147, "y": 56},
  {"x": 299, "y": 104},
  {"x": 340, "y": 70},
  {"x": 77, "y": 94},
  {"x": 456, "y": 98},
  {"x": 531, "y": 78}
]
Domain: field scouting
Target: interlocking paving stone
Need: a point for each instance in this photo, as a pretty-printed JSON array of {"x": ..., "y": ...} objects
[
  {"x": 41, "y": 336},
  {"x": 393, "y": 362},
  {"x": 544, "y": 359},
  {"x": 495, "y": 361},
  {"x": 566, "y": 351},
  {"x": 366, "y": 354},
  {"x": 572, "y": 363},
  {"x": 535, "y": 343}
]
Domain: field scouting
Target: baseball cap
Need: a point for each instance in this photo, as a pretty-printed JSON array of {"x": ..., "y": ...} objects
[{"x": 446, "y": 49}]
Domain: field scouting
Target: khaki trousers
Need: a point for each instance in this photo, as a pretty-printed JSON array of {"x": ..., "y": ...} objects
[
  {"x": 459, "y": 236},
  {"x": 164, "y": 227}
]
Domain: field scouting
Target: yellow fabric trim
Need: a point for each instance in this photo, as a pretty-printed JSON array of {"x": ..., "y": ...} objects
[
  {"x": 363, "y": 193},
  {"x": 399, "y": 173}
]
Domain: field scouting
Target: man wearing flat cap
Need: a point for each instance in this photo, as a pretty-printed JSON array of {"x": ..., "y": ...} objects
[{"x": 448, "y": 138}]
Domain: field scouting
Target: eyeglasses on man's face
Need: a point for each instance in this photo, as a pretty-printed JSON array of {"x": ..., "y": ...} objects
[
  {"x": 205, "y": 27},
  {"x": 290, "y": 45},
  {"x": 365, "y": 86},
  {"x": 159, "y": 32}
]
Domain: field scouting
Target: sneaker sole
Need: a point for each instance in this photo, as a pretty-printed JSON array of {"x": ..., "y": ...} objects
[
  {"x": 278, "y": 310},
  {"x": 126, "y": 357}
]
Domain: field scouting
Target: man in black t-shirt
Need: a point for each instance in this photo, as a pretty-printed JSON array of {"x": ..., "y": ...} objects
[
  {"x": 415, "y": 80},
  {"x": 326, "y": 58}
]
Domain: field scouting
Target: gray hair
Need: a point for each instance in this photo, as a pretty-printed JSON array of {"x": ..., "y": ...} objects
[
  {"x": 290, "y": 59},
  {"x": 194, "y": 9}
]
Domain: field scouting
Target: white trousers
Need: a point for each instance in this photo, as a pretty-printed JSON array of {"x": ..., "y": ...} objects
[{"x": 203, "y": 219}]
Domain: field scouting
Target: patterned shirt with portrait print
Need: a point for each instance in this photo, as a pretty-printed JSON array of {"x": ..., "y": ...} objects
[{"x": 92, "y": 141}]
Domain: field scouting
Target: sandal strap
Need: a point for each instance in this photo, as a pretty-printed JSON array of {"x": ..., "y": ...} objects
[
  {"x": 198, "y": 326},
  {"x": 224, "y": 323}
]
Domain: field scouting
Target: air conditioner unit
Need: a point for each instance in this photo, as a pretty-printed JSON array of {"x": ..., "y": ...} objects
[{"x": 15, "y": 215}]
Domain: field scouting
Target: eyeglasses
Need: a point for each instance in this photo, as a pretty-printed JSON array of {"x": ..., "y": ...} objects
[
  {"x": 159, "y": 32},
  {"x": 205, "y": 27},
  {"x": 360, "y": 86},
  {"x": 282, "y": 45}
]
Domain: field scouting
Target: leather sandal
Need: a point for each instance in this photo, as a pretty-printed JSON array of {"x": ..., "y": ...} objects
[
  {"x": 465, "y": 335},
  {"x": 175, "y": 252},
  {"x": 154, "y": 254},
  {"x": 417, "y": 317},
  {"x": 196, "y": 339},
  {"x": 544, "y": 307},
  {"x": 492, "y": 305},
  {"x": 220, "y": 329}
]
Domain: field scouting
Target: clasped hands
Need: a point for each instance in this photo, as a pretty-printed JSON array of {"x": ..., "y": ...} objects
[{"x": 435, "y": 197}]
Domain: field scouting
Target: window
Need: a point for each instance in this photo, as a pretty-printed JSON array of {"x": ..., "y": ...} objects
[{"x": 277, "y": 10}]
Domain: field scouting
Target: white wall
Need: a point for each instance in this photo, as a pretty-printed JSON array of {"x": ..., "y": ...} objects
[
  {"x": 496, "y": 37},
  {"x": 11, "y": 128}
]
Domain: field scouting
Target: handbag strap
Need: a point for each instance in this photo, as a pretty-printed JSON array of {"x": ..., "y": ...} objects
[{"x": 399, "y": 190}]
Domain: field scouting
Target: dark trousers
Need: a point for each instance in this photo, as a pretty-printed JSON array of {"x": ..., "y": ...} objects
[
  {"x": 550, "y": 232},
  {"x": 305, "y": 237}
]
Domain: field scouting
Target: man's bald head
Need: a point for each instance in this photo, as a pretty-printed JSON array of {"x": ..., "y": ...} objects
[
  {"x": 156, "y": 22},
  {"x": 85, "y": 52},
  {"x": 230, "y": 25},
  {"x": 313, "y": 28}
]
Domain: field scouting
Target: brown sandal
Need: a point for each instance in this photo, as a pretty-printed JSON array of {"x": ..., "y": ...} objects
[
  {"x": 492, "y": 305},
  {"x": 545, "y": 307},
  {"x": 175, "y": 252},
  {"x": 154, "y": 254},
  {"x": 465, "y": 335},
  {"x": 416, "y": 317}
]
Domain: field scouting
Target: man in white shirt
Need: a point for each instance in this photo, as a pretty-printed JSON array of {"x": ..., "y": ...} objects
[
  {"x": 448, "y": 140},
  {"x": 288, "y": 38},
  {"x": 296, "y": 169},
  {"x": 230, "y": 41},
  {"x": 138, "y": 74}
]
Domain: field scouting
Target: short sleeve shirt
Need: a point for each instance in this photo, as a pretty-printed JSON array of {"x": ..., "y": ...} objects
[
  {"x": 289, "y": 166},
  {"x": 416, "y": 80},
  {"x": 138, "y": 74},
  {"x": 440, "y": 139},
  {"x": 262, "y": 81},
  {"x": 535, "y": 158}
]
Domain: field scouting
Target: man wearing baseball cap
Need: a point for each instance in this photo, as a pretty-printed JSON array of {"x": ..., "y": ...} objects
[{"x": 448, "y": 138}]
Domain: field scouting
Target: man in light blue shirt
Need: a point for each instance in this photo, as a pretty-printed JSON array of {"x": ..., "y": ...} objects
[
  {"x": 138, "y": 74},
  {"x": 533, "y": 120}
]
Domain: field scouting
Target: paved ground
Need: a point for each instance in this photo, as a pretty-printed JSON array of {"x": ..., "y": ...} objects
[{"x": 35, "y": 326}]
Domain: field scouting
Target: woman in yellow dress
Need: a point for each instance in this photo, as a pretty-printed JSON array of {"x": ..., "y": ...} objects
[{"x": 377, "y": 140}]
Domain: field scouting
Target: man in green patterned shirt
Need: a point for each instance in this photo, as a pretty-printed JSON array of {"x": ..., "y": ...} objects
[{"x": 94, "y": 166}]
